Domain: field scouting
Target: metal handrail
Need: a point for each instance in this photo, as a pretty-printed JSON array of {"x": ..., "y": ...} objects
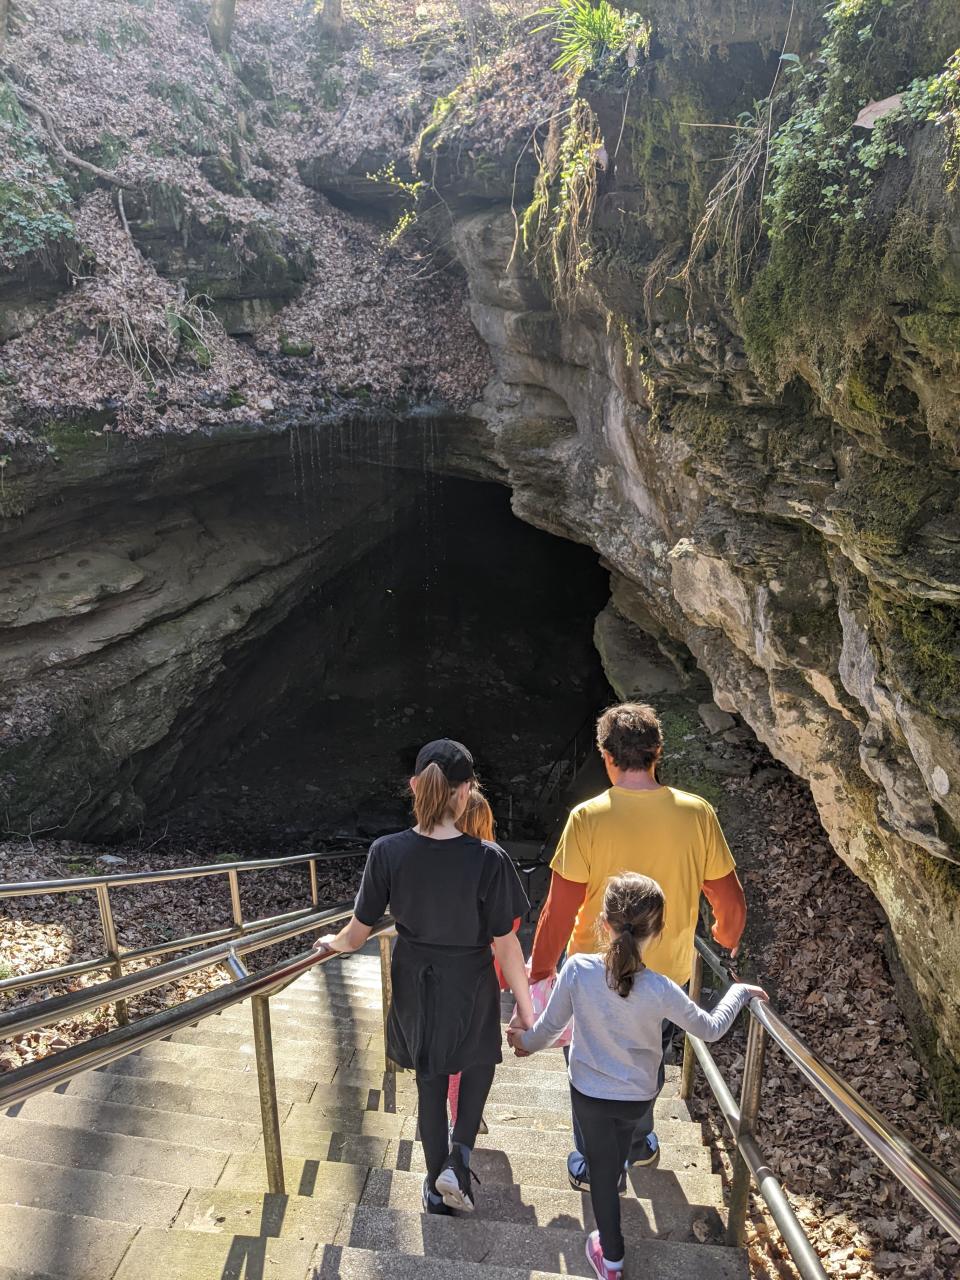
[
  {"x": 44, "y": 1012},
  {"x": 120, "y": 879},
  {"x": 58, "y": 1068},
  {"x": 552, "y": 782},
  {"x": 930, "y": 1186},
  {"x": 115, "y": 957}
]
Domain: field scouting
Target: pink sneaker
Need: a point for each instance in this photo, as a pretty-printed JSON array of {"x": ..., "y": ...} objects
[{"x": 596, "y": 1259}]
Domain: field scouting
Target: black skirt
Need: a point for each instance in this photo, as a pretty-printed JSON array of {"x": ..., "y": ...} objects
[{"x": 444, "y": 1016}]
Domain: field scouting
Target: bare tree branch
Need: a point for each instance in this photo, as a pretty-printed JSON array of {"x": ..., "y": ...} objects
[{"x": 33, "y": 104}]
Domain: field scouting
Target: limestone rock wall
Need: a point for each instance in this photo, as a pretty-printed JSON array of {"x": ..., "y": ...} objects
[{"x": 730, "y": 546}]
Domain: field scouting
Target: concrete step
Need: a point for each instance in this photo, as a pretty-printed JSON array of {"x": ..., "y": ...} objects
[
  {"x": 303, "y": 1062},
  {"x": 209, "y": 1078},
  {"x": 195, "y": 1255},
  {"x": 236, "y": 1039},
  {"x": 60, "y": 1246},
  {"x": 342, "y": 1002},
  {"x": 316, "y": 1021},
  {"x": 308, "y": 1118},
  {"x": 470, "y": 1239},
  {"x": 88, "y": 1193},
  {"x": 550, "y": 1206},
  {"x": 245, "y": 1210},
  {"x": 301, "y": 1040},
  {"x": 507, "y": 1089},
  {"x": 246, "y": 1171},
  {"x": 336, "y": 1262},
  {"x": 675, "y": 1177},
  {"x": 492, "y": 1160},
  {"x": 110, "y": 1152},
  {"x": 209, "y": 1133},
  {"x": 165, "y": 1097}
]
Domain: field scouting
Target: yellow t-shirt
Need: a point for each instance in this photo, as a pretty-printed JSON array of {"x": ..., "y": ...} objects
[{"x": 670, "y": 835}]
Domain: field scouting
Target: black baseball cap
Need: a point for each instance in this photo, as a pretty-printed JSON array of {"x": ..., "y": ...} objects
[{"x": 452, "y": 757}]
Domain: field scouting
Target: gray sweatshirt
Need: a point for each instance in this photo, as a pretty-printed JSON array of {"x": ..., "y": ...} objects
[{"x": 617, "y": 1042}]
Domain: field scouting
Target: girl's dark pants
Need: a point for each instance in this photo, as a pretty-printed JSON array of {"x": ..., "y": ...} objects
[
  {"x": 475, "y": 1085},
  {"x": 607, "y": 1127}
]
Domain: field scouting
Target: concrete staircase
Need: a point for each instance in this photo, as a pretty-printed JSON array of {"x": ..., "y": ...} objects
[{"x": 154, "y": 1166}]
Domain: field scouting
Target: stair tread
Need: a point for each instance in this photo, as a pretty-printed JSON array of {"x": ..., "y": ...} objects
[
  {"x": 62, "y": 1246},
  {"x": 232, "y": 1208},
  {"x": 89, "y": 1192},
  {"x": 490, "y": 1157},
  {"x": 473, "y": 1239},
  {"x": 211, "y": 1255},
  {"x": 301, "y": 1171},
  {"x": 337, "y": 1262},
  {"x": 59, "y": 1145},
  {"x": 75, "y": 1112}
]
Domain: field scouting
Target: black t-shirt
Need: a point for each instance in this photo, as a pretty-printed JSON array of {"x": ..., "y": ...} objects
[{"x": 457, "y": 894}]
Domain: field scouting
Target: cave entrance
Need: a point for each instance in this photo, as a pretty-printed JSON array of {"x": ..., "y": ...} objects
[{"x": 461, "y": 621}]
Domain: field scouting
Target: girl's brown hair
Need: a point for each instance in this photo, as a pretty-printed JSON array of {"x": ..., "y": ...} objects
[
  {"x": 433, "y": 798},
  {"x": 477, "y": 818},
  {"x": 634, "y": 908}
]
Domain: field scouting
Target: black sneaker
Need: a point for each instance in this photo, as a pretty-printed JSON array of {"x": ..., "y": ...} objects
[
  {"x": 453, "y": 1182},
  {"x": 648, "y": 1153},
  {"x": 431, "y": 1205},
  {"x": 579, "y": 1174}
]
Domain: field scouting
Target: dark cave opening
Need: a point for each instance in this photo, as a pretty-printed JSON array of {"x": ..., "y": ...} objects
[{"x": 461, "y": 620}]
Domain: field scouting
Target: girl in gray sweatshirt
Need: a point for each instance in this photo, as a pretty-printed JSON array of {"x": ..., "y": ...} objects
[{"x": 618, "y": 1008}]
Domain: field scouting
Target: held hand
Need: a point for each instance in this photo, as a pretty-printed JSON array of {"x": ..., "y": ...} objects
[
  {"x": 324, "y": 944},
  {"x": 756, "y": 993},
  {"x": 513, "y": 1039}
]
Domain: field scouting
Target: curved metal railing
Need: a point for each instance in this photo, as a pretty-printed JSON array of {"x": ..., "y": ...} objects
[{"x": 938, "y": 1193}]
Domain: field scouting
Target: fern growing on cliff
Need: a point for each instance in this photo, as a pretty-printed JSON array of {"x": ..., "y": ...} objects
[{"x": 592, "y": 34}]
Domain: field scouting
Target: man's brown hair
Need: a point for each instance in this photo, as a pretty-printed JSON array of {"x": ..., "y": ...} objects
[{"x": 631, "y": 733}]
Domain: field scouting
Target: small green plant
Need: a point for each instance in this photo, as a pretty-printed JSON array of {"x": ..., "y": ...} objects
[
  {"x": 33, "y": 196},
  {"x": 409, "y": 193},
  {"x": 592, "y": 35}
]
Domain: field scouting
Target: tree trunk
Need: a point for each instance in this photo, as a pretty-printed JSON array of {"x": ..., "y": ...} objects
[
  {"x": 220, "y": 23},
  {"x": 331, "y": 15}
]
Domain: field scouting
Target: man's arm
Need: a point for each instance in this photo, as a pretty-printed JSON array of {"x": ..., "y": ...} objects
[
  {"x": 730, "y": 909},
  {"x": 555, "y": 925}
]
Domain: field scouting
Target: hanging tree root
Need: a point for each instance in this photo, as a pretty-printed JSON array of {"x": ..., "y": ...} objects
[{"x": 33, "y": 104}]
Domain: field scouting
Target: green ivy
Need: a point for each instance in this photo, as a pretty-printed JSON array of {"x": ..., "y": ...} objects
[
  {"x": 33, "y": 197},
  {"x": 824, "y": 220}
]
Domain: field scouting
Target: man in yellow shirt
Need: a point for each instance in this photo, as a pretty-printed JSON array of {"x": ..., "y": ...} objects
[{"x": 637, "y": 825}]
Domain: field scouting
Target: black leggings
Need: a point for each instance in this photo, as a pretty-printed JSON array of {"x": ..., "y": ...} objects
[
  {"x": 607, "y": 1126},
  {"x": 475, "y": 1085}
]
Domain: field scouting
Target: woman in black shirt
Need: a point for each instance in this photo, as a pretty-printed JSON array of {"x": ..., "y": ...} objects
[{"x": 451, "y": 897}]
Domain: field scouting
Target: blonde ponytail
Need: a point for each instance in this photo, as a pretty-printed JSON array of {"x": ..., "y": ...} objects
[{"x": 432, "y": 798}]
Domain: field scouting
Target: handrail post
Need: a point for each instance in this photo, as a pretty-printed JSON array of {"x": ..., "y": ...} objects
[
  {"x": 749, "y": 1109},
  {"x": 314, "y": 888},
  {"x": 386, "y": 991},
  {"x": 112, "y": 947},
  {"x": 689, "y": 1057},
  {"x": 267, "y": 1082},
  {"x": 235, "y": 906}
]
